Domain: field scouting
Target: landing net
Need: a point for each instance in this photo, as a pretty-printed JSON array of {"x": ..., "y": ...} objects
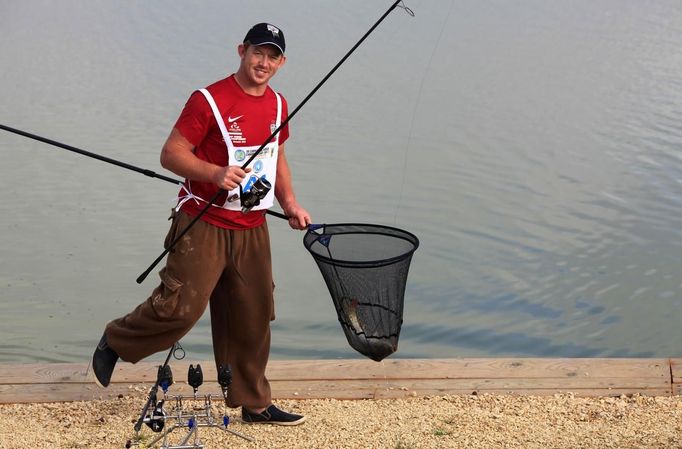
[{"x": 365, "y": 268}]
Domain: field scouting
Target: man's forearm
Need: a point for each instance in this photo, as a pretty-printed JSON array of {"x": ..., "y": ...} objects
[{"x": 177, "y": 156}]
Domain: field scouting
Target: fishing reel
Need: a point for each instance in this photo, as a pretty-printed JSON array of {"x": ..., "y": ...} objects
[
  {"x": 257, "y": 192},
  {"x": 157, "y": 419}
]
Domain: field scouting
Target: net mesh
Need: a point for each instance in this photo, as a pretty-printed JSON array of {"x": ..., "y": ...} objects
[{"x": 365, "y": 268}]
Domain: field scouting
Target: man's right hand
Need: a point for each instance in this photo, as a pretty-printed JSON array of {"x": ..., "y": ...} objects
[{"x": 228, "y": 178}]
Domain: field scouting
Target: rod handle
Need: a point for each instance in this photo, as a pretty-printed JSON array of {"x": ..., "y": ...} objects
[
  {"x": 140, "y": 279},
  {"x": 277, "y": 214}
]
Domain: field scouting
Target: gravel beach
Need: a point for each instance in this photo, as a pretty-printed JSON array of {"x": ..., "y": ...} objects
[{"x": 471, "y": 421}]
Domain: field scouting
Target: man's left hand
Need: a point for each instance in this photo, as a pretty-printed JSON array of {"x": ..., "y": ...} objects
[{"x": 299, "y": 218}]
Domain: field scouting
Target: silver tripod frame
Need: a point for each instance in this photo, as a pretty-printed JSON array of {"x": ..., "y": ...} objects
[{"x": 185, "y": 418}]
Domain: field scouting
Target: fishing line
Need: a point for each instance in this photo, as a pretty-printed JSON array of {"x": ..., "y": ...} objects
[
  {"x": 210, "y": 202},
  {"x": 407, "y": 10},
  {"x": 414, "y": 111}
]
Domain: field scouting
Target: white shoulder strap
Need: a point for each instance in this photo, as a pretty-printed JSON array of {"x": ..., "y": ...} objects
[
  {"x": 221, "y": 122},
  {"x": 279, "y": 114},
  {"x": 219, "y": 118}
]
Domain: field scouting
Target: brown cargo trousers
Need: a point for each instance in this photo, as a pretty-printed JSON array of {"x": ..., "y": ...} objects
[{"x": 231, "y": 270}]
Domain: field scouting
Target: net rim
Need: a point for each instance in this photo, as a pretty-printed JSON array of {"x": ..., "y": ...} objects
[{"x": 401, "y": 234}]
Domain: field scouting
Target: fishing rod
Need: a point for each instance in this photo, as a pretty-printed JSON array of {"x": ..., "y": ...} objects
[
  {"x": 210, "y": 202},
  {"x": 151, "y": 400},
  {"x": 108, "y": 160}
]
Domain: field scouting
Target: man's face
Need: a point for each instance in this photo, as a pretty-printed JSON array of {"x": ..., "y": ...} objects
[{"x": 260, "y": 62}]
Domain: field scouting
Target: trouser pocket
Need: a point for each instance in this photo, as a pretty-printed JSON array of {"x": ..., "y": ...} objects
[{"x": 165, "y": 297}]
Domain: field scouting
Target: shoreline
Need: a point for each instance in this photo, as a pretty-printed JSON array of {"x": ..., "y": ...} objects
[{"x": 508, "y": 403}]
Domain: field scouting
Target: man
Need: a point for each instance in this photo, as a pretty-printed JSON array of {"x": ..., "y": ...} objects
[{"x": 224, "y": 259}]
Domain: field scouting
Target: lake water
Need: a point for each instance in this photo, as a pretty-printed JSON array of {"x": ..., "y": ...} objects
[{"x": 534, "y": 147}]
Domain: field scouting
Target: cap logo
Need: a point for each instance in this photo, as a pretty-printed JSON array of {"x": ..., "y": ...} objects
[{"x": 274, "y": 30}]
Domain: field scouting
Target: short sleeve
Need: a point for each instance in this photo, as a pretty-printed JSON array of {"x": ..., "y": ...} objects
[{"x": 195, "y": 119}]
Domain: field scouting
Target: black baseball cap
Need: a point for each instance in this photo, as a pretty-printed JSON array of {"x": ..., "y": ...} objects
[{"x": 265, "y": 33}]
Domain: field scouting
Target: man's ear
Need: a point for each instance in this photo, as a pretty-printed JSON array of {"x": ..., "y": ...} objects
[{"x": 241, "y": 49}]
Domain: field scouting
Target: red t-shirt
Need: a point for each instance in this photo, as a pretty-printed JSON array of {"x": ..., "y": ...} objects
[{"x": 249, "y": 120}]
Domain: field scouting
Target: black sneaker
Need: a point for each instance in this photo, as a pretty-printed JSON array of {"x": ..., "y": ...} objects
[
  {"x": 272, "y": 415},
  {"x": 103, "y": 362}
]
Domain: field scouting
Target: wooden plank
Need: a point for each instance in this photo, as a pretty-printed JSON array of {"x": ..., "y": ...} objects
[
  {"x": 469, "y": 368},
  {"x": 342, "y": 389},
  {"x": 32, "y": 373},
  {"x": 67, "y": 392},
  {"x": 528, "y": 368},
  {"x": 357, "y": 389},
  {"x": 361, "y": 379}
]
